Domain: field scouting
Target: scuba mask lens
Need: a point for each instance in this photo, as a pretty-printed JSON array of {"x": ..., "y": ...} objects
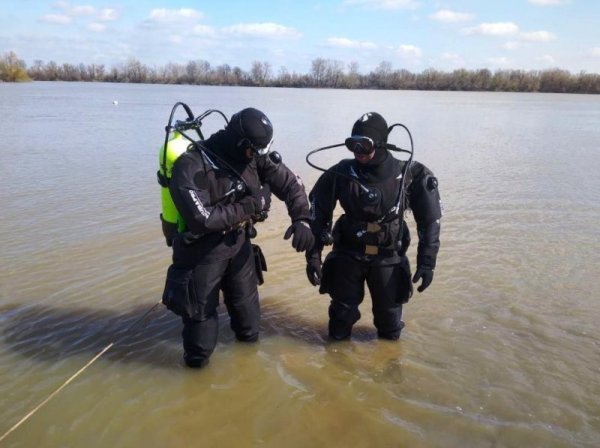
[
  {"x": 246, "y": 143},
  {"x": 263, "y": 151},
  {"x": 359, "y": 144}
]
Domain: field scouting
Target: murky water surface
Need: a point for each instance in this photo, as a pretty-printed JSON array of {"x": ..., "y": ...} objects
[{"x": 501, "y": 351}]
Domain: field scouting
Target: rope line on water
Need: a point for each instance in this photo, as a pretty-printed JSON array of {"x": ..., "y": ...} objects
[{"x": 76, "y": 374}]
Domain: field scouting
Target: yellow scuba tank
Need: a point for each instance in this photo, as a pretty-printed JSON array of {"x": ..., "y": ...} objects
[
  {"x": 176, "y": 143},
  {"x": 167, "y": 154}
]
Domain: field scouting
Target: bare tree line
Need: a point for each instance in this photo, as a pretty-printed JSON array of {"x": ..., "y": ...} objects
[{"x": 324, "y": 73}]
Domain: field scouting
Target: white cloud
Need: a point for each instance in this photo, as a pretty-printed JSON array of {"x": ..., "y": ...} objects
[
  {"x": 537, "y": 36},
  {"x": 499, "y": 61},
  {"x": 595, "y": 52},
  {"x": 96, "y": 27},
  {"x": 162, "y": 15},
  {"x": 203, "y": 30},
  {"x": 512, "y": 45},
  {"x": 74, "y": 11},
  {"x": 447, "y": 16},
  {"x": 493, "y": 29},
  {"x": 342, "y": 42},
  {"x": 60, "y": 19},
  {"x": 450, "y": 61},
  {"x": 548, "y": 2},
  {"x": 175, "y": 39},
  {"x": 81, "y": 11},
  {"x": 107, "y": 14},
  {"x": 384, "y": 4},
  {"x": 454, "y": 58},
  {"x": 269, "y": 30},
  {"x": 409, "y": 51},
  {"x": 546, "y": 59}
]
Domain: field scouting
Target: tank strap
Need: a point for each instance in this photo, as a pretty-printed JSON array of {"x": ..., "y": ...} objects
[{"x": 162, "y": 179}]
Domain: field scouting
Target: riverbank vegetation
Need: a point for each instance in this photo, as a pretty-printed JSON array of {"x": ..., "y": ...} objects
[
  {"x": 13, "y": 69},
  {"x": 324, "y": 73}
]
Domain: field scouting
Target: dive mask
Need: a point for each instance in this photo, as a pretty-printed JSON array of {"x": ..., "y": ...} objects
[
  {"x": 246, "y": 143},
  {"x": 261, "y": 151},
  {"x": 359, "y": 144}
]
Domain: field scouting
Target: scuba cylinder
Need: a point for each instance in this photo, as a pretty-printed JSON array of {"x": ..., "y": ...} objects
[
  {"x": 176, "y": 143},
  {"x": 167, "y": 154}
]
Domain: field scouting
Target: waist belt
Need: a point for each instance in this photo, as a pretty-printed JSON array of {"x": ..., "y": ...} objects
[
  {"x": 363, "y": 249},
  {"x": 365, "y": 238},
  {"x": 379, "y": 251}
]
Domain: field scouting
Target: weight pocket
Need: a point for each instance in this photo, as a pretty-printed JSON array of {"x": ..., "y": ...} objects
[
  {"x": 260, "y": 264},
  {"x": 405, "y": 289},
  {"x": 327, "y": 273},
  {"x": 178, "y": 294}
]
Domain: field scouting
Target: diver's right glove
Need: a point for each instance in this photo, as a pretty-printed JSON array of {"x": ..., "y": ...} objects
[
  {"x": 426, "y": 275},
  {"x": 303, "y": 238},
  {"x": 313, "y": 267}
]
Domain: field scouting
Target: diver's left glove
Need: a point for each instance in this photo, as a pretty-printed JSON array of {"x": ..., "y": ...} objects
[
  {"x": 261, "y": 196},
  {"x": 426, "y": 275},
  {"x": 257, "y": 201},
  {"x": 313, "y": 266},
  {"x": 303, "y": 237}
]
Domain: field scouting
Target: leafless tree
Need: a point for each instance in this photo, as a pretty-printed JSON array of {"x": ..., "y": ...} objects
[{"x": 323, "y": 73}]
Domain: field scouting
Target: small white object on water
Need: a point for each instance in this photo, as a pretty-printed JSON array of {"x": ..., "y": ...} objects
[{"x": 115, "y": 102}]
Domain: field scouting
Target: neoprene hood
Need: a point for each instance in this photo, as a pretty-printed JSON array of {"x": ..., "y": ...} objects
[
  {"x": 253, "y": 125},
  {"x": 372, "y": 125}
]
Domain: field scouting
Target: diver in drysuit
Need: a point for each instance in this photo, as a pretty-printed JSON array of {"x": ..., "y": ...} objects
[
  {"x": 371, "y": 238},
  {"x": 214, "y": 253}
]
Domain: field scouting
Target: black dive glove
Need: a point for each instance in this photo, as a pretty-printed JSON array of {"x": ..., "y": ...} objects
[
  {"x": 257, "y": 201},
  {"x": 313, "y": 268},
  {"x": 262, "y": 197},
  {"x": 303, "y": 237},
  {"x": 426, "y": 275}
]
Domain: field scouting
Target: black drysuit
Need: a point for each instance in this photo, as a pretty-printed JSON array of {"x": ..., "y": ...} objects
[
  {"x": 216, "y": 245},
  {"x": 370, "y": 239}
]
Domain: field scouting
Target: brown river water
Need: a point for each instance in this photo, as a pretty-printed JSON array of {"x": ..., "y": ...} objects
[{"x": 503, "y": 350}]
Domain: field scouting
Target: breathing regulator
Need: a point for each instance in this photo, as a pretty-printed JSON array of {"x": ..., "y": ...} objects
[{"x": 364, "y": 145}]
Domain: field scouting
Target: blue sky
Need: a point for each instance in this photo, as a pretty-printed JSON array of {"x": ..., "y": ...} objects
[{"x": 411, "y": 34}]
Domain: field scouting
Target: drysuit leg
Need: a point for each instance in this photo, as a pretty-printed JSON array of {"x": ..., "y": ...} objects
[
  {"x": 346, "y": 288},
  {"x": 240, "y": 293},
  {"x": 200, "y": 331},
  {"x": 388, "y": 285}
]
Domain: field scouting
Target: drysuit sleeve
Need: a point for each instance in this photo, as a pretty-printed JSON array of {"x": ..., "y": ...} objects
[
  {"x": 424, "y": 200},
  {"x": 322, "y": 203},
  {"x": 189, "y": 190},
  {"x": 285, "y": 185}
]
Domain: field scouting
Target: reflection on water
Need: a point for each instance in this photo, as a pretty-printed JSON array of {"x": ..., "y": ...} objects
[{"x": 501, "y": 350}]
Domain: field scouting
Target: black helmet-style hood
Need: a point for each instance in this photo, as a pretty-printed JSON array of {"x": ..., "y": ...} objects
[
  {"x": 374, "y": 126},
  {"x": 248, "y": 128},
  {"x": 252, "y": 128}
]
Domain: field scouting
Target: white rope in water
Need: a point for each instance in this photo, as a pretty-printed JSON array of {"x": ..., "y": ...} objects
[
  {"x": 53, "y": 394},
  {"x": 75, "y": 375}
]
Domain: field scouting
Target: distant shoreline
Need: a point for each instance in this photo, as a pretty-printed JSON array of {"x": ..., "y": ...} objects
[
  {"x": 324, "y": 74},
  {"x": 304, "y": 87}
]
